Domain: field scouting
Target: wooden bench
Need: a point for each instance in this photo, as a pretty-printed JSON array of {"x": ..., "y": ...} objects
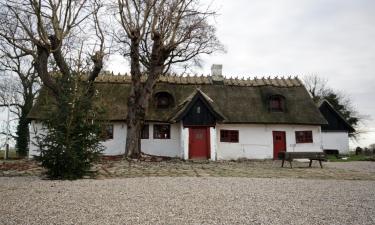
[{"x": 289, "y": 156}]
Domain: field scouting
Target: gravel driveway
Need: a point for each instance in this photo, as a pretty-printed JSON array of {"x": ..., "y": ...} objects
[
  {"x": 186, "y": 200},
  {"x": 358, "y": 166}
]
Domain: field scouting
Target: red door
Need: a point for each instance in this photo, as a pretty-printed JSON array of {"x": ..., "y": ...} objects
[
  {"x": 199, "y": 143},
  {"x": 279, "y": 143}
]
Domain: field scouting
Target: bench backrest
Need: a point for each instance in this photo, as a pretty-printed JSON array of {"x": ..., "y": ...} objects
[{"x": 302, "y": 155}]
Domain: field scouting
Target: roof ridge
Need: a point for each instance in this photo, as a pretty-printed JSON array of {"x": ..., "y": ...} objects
[{"x": 275, "y": 81}]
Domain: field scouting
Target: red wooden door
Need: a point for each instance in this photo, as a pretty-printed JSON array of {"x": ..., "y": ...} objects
[
  {"x": 279, "y": 143},
  {"x": 199, "y": 143}
]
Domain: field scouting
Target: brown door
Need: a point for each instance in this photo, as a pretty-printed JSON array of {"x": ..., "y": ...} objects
[
  {"x": 279, "y": 143},
  {"x": 199, "y": 143}
]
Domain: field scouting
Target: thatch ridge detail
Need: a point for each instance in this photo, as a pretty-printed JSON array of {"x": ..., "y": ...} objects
[{"x": 200, "y": 79}]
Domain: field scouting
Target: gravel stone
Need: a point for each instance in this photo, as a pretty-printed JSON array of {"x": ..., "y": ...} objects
[
  {"x": 186, "y": 200},
  {"x": 365, "y": 166}
]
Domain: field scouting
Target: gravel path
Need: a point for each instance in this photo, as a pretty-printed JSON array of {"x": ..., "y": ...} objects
[
  {"x": 359, "y": 166},
  {"x": 186, "y": 200}
]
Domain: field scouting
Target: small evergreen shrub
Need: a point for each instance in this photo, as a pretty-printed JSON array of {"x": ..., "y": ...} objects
[{"x": 70, "y": 143}]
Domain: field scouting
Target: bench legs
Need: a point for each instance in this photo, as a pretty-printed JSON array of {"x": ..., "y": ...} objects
[
  {"x": 320, "y": 162},
  {"x": 290, "y": 162}
]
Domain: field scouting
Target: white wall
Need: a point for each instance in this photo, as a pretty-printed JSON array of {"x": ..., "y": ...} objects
[
  {"x": 184, "y": 142},
  {"x": 336, "y": 140},
  {"x": 163, "y": 147},
  {"x": 116, "y": 146},
  {"x": 35, "y": 129},
  {"x": 213, "y": 144},
  {"x": 256, "y": 141}
]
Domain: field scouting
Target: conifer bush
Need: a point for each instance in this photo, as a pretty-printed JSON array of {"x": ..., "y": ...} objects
[{"x": 70, "y": 142}]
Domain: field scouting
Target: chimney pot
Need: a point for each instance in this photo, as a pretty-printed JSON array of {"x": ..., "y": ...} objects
[
  {"x": 217, "y": 70},
  {"x": 217, "y": 74}
]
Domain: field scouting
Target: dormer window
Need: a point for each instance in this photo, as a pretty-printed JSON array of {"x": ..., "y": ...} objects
[
  {"x": 163, "y": 100},
  {"x": 276, "y": 103}
]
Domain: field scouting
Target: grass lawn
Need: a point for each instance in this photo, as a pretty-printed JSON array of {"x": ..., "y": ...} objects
[{"x": 351, "y": 157}]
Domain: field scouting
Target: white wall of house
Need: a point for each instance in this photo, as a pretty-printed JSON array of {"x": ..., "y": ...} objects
[
  {"x": 35, "y": 129},
  {"x": 184, "y": 142},
  {"x": 336, "y": 140},
  {"x": 116, "y": 146},
  {"x": 256, "y": 141},
  {"x": 163, "y": 147},
  {"x": 213, "y": 144}
]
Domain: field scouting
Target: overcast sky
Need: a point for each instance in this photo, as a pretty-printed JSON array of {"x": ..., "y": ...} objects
[{"x": 334, "y": 39}]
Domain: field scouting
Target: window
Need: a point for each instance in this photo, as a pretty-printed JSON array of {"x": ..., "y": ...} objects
[
  {"x": 198, "y": 109},
  {"x": 229, "y": 136},
  {"x": 162, "y": 131},
  {"x": 163, "y": 100},
  {"x": 304, "y": 137},
  {"x": 145, "y": 132},
  {"x": 107, "y": 132},
  {"x": 276, "y": 103}
]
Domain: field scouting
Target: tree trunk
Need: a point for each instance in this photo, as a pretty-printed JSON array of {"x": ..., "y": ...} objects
[
  {"x": 22, "y": 141},
  {"x": 140, "y": 94},
  {"x": 133, "y": 137},
  {"x": 134, "y": 117}
]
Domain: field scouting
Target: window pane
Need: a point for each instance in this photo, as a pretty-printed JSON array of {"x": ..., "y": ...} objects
[
  {"x": 107, "y": 132},
  {"x": 145, "y": 132},
  {"x": 276, "y": 104},
  {"x": 163, "y": 100},
  {"x": 229, "y": 136},
  {"x": 162, "y": 131},
  {"x": 304, "y": 137}
]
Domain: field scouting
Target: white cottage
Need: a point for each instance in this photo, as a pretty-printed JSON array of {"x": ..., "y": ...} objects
[
  {"x": 213, "y": 117},
  {"x": 335, "y": 134}
]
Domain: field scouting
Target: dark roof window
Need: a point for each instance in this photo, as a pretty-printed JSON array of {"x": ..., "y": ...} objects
[
  {"x": 163, "y": 100},
  {"x": 276, "y": 103}
]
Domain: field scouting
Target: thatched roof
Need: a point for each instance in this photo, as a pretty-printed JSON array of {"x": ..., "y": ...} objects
[
  {"x": 336, "y": 122},
  {"x": 237, "y": 100}
]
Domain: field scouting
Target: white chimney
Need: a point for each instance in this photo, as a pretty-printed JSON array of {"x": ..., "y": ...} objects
[
  {"x": 217, "y": 73},
  {"x": 217, "y": 70}
]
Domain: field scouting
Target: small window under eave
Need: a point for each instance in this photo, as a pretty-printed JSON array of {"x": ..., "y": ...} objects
[
  {"x": 276, "y": 103},
  {"x": 163, "y": 100}
]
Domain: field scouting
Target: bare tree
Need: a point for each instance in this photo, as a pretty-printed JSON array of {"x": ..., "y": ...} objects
[
  {"x": 319, "y": 90},
  {"x": 316, "y": 86},
  {"x": 45, "y": 28},
  {"x": 67, "y": 45},
  {"x": 155, "y": 35},
  {"x": 19, "y": 88}
]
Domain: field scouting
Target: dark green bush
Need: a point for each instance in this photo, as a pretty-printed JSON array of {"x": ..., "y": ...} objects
[{"x": 70, "y": 143}]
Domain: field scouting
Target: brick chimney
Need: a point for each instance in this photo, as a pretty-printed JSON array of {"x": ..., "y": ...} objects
[{"x": 217, "y": 74}]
